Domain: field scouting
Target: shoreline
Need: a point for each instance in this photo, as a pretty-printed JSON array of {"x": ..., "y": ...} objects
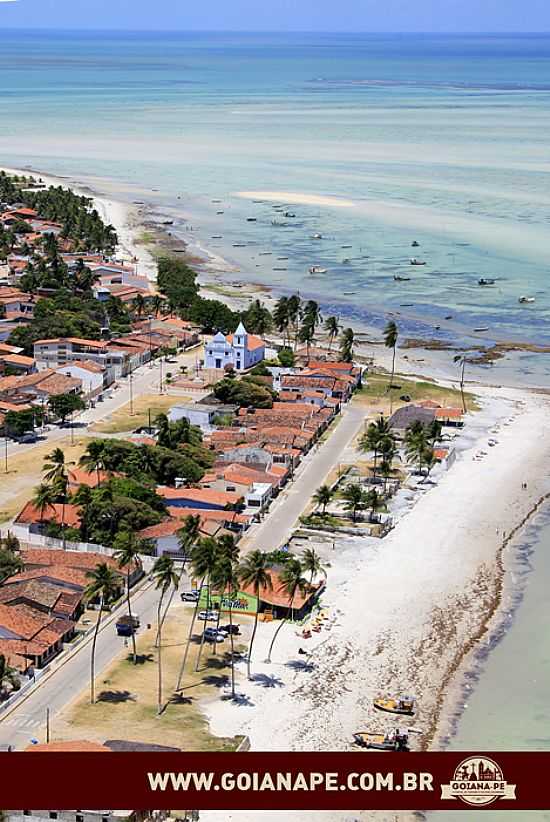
[
  {"x": 133, "y": 225},
  {"x": 127, "y": 221},
  {"x": 431, "y": 653}
]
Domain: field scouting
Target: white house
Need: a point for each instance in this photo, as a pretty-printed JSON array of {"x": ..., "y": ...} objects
[
  {"x": 94, "y": 377},
  {"x": 240, "y": 350}
]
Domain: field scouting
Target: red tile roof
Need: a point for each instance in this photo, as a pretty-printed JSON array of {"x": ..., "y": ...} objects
[
  {"x": 68, "y": 746},
  {"x": 205, "y": 495},
  {"x": 68, "y": 514}
]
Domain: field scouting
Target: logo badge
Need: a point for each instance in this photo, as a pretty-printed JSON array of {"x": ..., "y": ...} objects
[{"x": 478, "y": 781}]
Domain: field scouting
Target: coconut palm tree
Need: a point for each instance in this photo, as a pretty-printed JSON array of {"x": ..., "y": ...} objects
[
  {"x": 165, "y": 575},
  {"x": 311, "y": 564},
  {"x": 292, "y": 583},
  {"x": 157, "y": 305},
  {"x": 93, "y": 459},
  {"x": 294, "y": 305},
  {"x": 44, "y": 498},
  {"x": 139, "y": 305},
  {"x": 372, "y": 438},
  {"x": 391, "y": 335},
  {"x": 461, "y": 358},
  {"x": 332, "y": 325},
  {"x": 204, "y": 555},
  {"x": 430, "y": 461},
  {"x": 225, "y": 580},
  {"x": 416, "y": 445},
  {"x": 323, "y": 496},
  {"x": 57, "y": 466},
  {"x": 127, "y": 553},
  {"x": 347, "y": 338},
  {"x": 355, "y": 499},
  {"x": 189, "y": 533},
  {"x": 374, "y": 502},
  {"x": 203, "y": 567},
  {"x": 253, "y": 571},
  {"x": 104, "y": 583},
  {"x": 281, "y": 318}
]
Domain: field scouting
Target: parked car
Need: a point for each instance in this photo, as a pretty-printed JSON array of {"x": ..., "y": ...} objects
[
  {"x": 212, "y": 635},
  {"x": 190, "y": 596},
  {"x": 208, "y": 616},
  {"x": 28, "y": 437},
  {"x": 127, "y": 625},
  {"x": 231, "y": 629}
]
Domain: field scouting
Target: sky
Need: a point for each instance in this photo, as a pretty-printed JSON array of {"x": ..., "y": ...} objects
[{"x": 280, "y": 15}]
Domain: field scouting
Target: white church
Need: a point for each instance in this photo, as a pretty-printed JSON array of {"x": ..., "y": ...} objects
[{"x": 240, "y": 350}]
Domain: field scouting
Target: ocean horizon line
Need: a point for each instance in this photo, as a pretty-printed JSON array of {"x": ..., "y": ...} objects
[{"x": 369, "y": 32}]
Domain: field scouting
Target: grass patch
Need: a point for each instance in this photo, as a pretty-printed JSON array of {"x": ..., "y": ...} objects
[
  {"x": 126, "y": 706},
  {"x": 375, "y": 393},
  {"x": 121, "y": 420}
]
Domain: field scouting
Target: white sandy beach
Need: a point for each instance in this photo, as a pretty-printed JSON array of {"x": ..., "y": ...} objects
[
  {"x": 296, "y": 198},
  {"x": 123, "y": 216},
  {"x": 404, "y": 608}
]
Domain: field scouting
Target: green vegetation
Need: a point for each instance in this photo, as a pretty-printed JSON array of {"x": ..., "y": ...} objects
[
  {"x": 247, "y": 392},
  {"x": 63, "y": 405}
]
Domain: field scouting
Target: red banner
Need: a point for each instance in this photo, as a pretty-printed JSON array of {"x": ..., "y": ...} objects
[{"x": 285, "y": 781}]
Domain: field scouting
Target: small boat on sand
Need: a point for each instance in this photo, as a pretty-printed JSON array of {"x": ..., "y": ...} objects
[
  {"x": 239, "y": 245},
  {"x": 168, "y": 222},
  {"x": 396, "y": 704},
  {"x": 317, "y": 269},
  {"x": 414, "y": 261},
  {"x": 485, "y": 281},
  {"x": 395, "y": 740},
  {"x": 217, "y": 237},
  {"x": 399, "y": 279},
  {"x": 280, "y": 269},
  {"x": 265, "y": 254},
  {"x": 524, "y": 300}
]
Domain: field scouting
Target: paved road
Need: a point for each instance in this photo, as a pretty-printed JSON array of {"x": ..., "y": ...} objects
[
  {"x": 277, "y": 527},
  {"x": 145, "y": 380},
  {"x": 28, "y": 721}
]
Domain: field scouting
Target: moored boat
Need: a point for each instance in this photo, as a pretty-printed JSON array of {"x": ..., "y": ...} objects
[
  {"x": 317, "y": 269},
  {"x": 415, "y": 244},
  {"x": 485, "y": 281},
  {"x": 396, "y": 704},
  {"x": 414, "y": 261},
  {"x": 395, "y": 740},
  {"x": 523, "y": 300},
  {"x": 399, "y": 279}
]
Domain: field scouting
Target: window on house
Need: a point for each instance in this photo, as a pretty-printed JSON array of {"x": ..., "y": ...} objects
[{"x": 231, "y": 488}]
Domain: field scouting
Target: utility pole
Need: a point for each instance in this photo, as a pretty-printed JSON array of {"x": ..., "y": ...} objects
[
  {"x": 47, "y": 724},
  {"x": 131, "y": 382}
]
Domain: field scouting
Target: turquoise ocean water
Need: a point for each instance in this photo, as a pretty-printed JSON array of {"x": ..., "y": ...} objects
[{"x": 440, "y": 139}]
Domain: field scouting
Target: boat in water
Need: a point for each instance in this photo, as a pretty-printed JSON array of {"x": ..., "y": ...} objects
[
  {"x": 396, "y": 704},
  {"x": 239, "y": 245},
  {"x": 524, "y": 300},
  {"x": 251, "y": 219},
  {"x": 414, "y": 261},
  {"x": 399, "y": 279},
  {"x": 346, "y": 261},
  {"x": 481, "y": 328},
  {"x": 289, "y": 214},
  {"x": 317, "y": 269},
  {"x": 415, "y": 244},
  {"x": 395, "y": 740},
  {"x": 485, "y": 281},
  {"x": 317, "y": 237},
  {"x": 280, "y": 223}
]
